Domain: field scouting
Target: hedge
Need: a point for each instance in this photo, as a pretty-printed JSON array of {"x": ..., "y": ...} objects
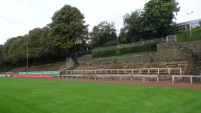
[{"x": 126, "y": 50}]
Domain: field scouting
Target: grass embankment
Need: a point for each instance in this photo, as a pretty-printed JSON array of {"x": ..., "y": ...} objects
[
  {"x": 126, "y": 51},
  {"x": 49, "y": 96},
  {"x": 184, "y": 36},
  {"x": 127, "y": 55}
]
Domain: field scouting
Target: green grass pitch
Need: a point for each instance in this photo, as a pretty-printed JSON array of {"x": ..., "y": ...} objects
[{"x": 52, "y": 96}]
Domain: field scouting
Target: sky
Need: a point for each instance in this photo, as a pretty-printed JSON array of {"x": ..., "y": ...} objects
[{"x": 18, "y": 17}]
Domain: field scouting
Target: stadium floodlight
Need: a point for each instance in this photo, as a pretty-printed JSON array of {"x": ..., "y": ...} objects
[
  {"x": 27, "y": 55},
  {"x": 190, "y": 24}
]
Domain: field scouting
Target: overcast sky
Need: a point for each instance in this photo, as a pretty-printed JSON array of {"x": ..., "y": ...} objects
[{"x": 18, "y": 17}]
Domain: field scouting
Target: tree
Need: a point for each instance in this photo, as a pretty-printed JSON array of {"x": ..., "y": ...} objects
[
  {"x": 10, "y": 51},
  {"x": 46, "y": 51},
  {"x": 131, "y": 30},
  {"x": 22, "y": 49},
  {"x": 1, "y": 57},
  {"x": 35, "y": 39},
  {"x": 104, "y": 34},
  {"x": 157, "y": 17},
  {"x": 67, "y": 30}
]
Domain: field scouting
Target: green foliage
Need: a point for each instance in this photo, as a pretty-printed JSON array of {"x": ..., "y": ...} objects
[
  {"x": 183, "y": 36},
  {"x": 104, "y": 34},
  {"x": 4, "y": 68},
  {"x": 11, "y": 52},
  {"x": 126, "y": 50},
  {"x": 67, "y": 30},
  {"x": 131, "y": 30},
  {"x": 66, "y": 34},
  {"x": 35, "y": 42},
  {"x": 1, "y": 56},
  {"x": 51, "y": 96},
  {"x": 157, "y": 17},
  {"x": 118, "y": 53}
]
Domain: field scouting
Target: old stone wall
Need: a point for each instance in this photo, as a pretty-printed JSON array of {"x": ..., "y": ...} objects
[
  {"x": 195, "y": 46},
  {"x": 166, "y": 52},
  {"x": 174, "y": 53}
]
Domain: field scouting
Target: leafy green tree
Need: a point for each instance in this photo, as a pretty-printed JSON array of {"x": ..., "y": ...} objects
[
  {"x": 47, "y": 53},
  {"x": 22, "y": 49},
  {"x": 14, "y": 51},
  {"x": 5, "y": 56},
  {"x": 157, "y": 17},
  {"x": 35, "y": 39},
  {"x": 1, "y": 57},
  {"x": 67, "y": 30},
  {"x": 104, "y": 34},
  {"x": 9, "y": 51},
  {"x": 131, "y": 30}
]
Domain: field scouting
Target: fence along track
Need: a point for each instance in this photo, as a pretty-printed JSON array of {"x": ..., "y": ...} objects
[
  {"x": 122, "y": 74},
  {"x": 186, "y": 76}
]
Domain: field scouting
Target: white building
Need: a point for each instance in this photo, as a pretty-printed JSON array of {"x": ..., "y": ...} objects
[{"x": 185, "y": 25}]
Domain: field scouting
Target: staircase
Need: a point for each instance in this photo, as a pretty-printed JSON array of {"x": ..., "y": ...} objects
[
  {"x": 198, "y": 67},
  {"x": 193, "y": 62},
  {"x": 191, "y": 70}
]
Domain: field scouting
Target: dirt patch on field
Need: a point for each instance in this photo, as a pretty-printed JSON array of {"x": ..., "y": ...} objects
[{"x": 148, "y": 83}]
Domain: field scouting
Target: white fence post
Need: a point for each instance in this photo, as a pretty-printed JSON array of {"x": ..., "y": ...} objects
[
  {"x": 173, "y": 79},
  {"x": 191, "y": 79},
  {"x": 167, "y": 39}
]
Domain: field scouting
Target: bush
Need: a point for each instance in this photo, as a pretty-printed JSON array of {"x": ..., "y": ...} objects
[
  {"x": 184, "y": 36},
  {"x": 126, "y": 50},
  {"x": 117, "y": 53},
  {"x": 4, "y": 69}
]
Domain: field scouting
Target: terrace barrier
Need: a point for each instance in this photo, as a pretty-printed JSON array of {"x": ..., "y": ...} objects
[
  {"x": 121, "y": 73},
  {"x": 185, "y": 76},
  {"x": 140, "y": 71}
]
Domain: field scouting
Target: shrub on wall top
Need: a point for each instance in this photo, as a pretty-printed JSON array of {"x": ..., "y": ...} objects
[{"x": 120, "y": 51}]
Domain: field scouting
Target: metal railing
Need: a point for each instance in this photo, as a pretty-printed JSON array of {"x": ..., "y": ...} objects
[
  {"x": 140, "y": 71},
  {"x": 185, "y": 76},
  {"x": 165, "y": 39}
]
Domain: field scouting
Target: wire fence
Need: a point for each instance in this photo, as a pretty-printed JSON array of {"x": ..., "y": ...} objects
[{"x": 169, "y": 38}]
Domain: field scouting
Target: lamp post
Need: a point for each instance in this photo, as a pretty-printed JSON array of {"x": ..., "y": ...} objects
[
  {"x": 190, "y": 24},
  {"x": 27, "y": 55}
]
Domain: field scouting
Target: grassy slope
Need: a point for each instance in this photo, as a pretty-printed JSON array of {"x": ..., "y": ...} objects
[
  {"x": 184, "y": 36},
  {"x": 47, "y": 96},
  {"x": 127, "y": 55}
]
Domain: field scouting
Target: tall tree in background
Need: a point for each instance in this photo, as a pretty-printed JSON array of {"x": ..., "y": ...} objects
[
  {"x": 67, "y": 30},
  {"x": 10, "y": 51},
  {"x": 131, "y": 30},
  {"x": 1, "y": 57},
  {"x": 46, "y": 46},
  {"x": 35, "y": 43},
  {"x": 22, "y": 49},
  {"x": 104, "y": 34},
  {"x": 157, "y": 17}
]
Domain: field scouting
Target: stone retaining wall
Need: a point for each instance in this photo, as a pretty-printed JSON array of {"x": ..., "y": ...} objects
[{"x": 166, "y": 52}]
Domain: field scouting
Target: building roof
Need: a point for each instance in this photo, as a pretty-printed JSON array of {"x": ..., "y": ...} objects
[{"x": 187, "y": 22}]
